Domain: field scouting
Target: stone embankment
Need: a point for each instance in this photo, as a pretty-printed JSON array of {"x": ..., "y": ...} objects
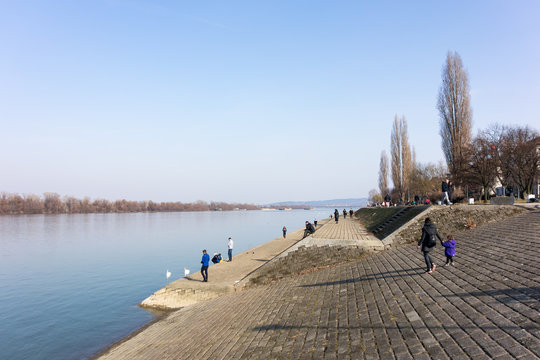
[
  {"x": 451, "y": 220},
  {"x": 381, "y": 306},
  {"x": 331, "y": 243}
]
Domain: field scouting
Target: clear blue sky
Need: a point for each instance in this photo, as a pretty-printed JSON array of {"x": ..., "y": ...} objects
[{"x": 245, "y": 101}]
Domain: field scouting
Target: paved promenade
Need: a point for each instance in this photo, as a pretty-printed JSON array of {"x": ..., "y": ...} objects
[
  {"x": 346, "y": 232},
  {"x": 380, "y": 307}
]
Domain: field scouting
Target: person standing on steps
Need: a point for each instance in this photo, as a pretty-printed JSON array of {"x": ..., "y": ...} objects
[
  {"x": 204, "y": 268},
  {"x": 284, "y": 232},
  {"x": 427, "y": 243},
  {"x": 336, "y": 215},
  {"x": 230, "y": 247}
]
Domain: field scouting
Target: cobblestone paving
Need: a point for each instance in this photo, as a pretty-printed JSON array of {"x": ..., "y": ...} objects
[
  {"x": 346, "y": 229},
  {"x": 380, "y": 307}
]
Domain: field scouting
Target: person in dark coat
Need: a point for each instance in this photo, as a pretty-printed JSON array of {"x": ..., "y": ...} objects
[
  {"x": 387, "y": 199},
  {"x": 427, "y": 243},
  {"x": 336, "y": 215},
  {"x": 344, "y": 213},
  {"x": 310, "y": 229},
  {"x": 351, "y": 213},
  {"x": 284, "y": 232}
]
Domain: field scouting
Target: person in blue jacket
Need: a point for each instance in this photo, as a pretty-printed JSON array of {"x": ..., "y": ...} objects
[
  {"x": 449, "y": 249},
  {"x": 204, "y": 268}
]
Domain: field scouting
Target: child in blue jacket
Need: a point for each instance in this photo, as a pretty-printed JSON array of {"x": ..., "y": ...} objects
[{"x": 449, "y": 249}]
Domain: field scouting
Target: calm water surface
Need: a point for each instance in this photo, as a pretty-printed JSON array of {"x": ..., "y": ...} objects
[{"x": 70, "y": 284}]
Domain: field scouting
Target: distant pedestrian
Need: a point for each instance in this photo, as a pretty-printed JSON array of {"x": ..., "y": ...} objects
[
  {"x": 387, "y": 200},
  {"x": 449, "y": 249},
  {"x": 450, "y": 191},
  {"x": 284, "y": 232},
  {"x": 351, "y": 213},
  {"x": 444, "y": 189},
  {"x": 344, "y": 213},
  {"x": 336, "y": 215},
  {"x": 204, "y": 268},
  {"x": 315, "y": 222},
  {"x": 230, "y": 247},
  {"x": 427, "y": 243}
]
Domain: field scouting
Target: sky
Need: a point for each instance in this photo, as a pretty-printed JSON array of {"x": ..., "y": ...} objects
[{"x": 244, "y": 101}]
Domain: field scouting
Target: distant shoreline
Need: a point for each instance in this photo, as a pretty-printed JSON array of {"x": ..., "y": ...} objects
[{"x": 52, "y": 203}]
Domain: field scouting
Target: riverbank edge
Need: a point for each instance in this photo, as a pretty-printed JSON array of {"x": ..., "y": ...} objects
[
  {"x": 163, "y": 316},
  {"x": 164, "y": 312},
  {"x": 397, "y": 238},
  {"x": 225, "y": 277}
]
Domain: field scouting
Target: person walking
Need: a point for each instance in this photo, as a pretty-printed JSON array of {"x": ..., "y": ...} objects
[
  {"x": 230, "y": 247},
  {"x": 284, "y": 232},
  {"x": 344, "y": 213},
  {"x": 427, "y": 243},
  {"x": 444, "y": 189},
  {"x": 204, "y": 268},
  {"x": 336, "y": 215},
  {"x": 449, "y": 249},
  {"x": 351, "y": 212}
]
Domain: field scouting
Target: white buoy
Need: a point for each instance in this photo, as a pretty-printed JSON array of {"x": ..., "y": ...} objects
[
  {"x": 186, "y": 272},
  {"x": 168, "y": 274}
]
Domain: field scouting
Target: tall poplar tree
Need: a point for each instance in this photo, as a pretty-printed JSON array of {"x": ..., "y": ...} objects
[
  {"x": 383, "y": 174},
  {"x": 455, "y": 115},
  {"x": 395, "y": 155},
  {"x": 401, "y": 156},
  {"x": 406, "y": 162}
]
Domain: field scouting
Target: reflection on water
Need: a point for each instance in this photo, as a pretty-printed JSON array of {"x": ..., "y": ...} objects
[{"x": 70, "y": 284}]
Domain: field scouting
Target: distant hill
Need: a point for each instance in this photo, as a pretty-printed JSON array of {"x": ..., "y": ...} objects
[{"x": 355, "y": 203}]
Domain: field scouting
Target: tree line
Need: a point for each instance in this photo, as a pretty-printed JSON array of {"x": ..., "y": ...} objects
[
  {"x": 52, "y": 203},
  {"x": 500, "y": 155}
]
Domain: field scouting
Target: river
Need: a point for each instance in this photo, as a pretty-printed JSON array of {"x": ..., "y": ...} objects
[{"x": 70, "y": 284}]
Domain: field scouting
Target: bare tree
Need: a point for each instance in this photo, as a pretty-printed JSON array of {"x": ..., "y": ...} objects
[
  {"x": 383, "y": 174},
  {"x": 52, "y": 203},
  {"x": 483, "y": 163},
  {"x": 426, "y": 180},
  {"x": 395, "y": 154},
  {"x": 515, "y": 150},
  {"x": 406, "y": 164},
  {"x": 401, "y": 157},
  {"x": 374, "y": 196},
  {"x": 518, "y": 155},
  {"x": 455, "y": 115}
]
